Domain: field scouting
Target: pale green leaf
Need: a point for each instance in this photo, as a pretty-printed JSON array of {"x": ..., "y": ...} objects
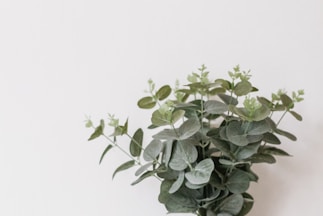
[
  {"x": 201, "y": 173},
  {"x": 143, "y": 168},
  {"x": 178, "y": 183},
  {"x": 184, "y": 153},
  {"x": 144, "y": 176},
  {"x": 153, "y": 149},
  {"x": 215, "y": 107},
  {"x": 160, "y": 119},
  {"x": 166, "y": 134},
  {"x": 258, "y": 127},
  {"x": 177, "y": 115},
  {"x": 235, "y": 134},
  {"x": 189, "y": 128}
]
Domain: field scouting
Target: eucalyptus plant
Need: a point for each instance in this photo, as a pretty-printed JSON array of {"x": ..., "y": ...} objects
[{"x": 209, "y": 133}]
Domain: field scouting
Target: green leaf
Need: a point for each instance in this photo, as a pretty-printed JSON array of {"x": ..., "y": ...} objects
[
  {"x": 287, "y": 101},
  {"x": 232, "y": 205},
  {"x": 247, "y": 151},
  {"x": 124, "y": 166},
  {"x": 201, "y": 173},
  {"x": 189, "y": 128},
  {"x": 215, "y": 107},
  {"x": 216, "y": 91},
  {"x": 181, "y": 203},
  {"x": 265, "y": 101},
  {"x": 167, "y": 152},
  {"x": 163, "y": 92},
  {"x": 160, "y": 119},
  {"x": 241, "y": 112},
  {"x": 143, "y": 168},
  {"x": 224, "y": 83},
  {"x": 227, "y": 99},
  {"x": 144, "y": 176},
  {"x": 238, "y": 182},
  {"x": 242, "y": 88},
  {"x": 184, "y": 153},
  {"x": 223, "y": 147},
  {"x": 286, "y": 134},
  {"x": 296, "y": 115},
  {"x": 166, "y": 134},
  {"x": 223, "y": 214},
  {"x": 136, "y": 143},
  {"x": 105, "y": 151},
  {"x": 164, "y": 191},
  {"x": 258, "y": 127},
  {"x": 98, "y": 131},
  {"x": 262, "y": 158},
  {"x": 271, "y": 138},
  {"x": 153, "y": 149},
  {"x": 178, "y": 183},
  {"x": 146, "y": 102},
  {"x": 254, "y": 138},
  {"x": 177, "y": 115},
  {"x": 274, "y": 151},
  {"x": 235, "y": 134},
  {"x": 226, "y": 162},
  {"x": 262, "y": 113},
  {"x": 247, "y": 204},
  {"x": 121, "y": 130},
  {"x": 194, "y": 186}
]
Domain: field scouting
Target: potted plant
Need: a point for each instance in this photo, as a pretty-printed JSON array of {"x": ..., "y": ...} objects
[{"x": 208, "y": 135}]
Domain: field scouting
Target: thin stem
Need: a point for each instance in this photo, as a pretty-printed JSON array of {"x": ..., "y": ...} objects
[
  {"x": 281, "y": 118},
  {"x": 114, "y": 143}
]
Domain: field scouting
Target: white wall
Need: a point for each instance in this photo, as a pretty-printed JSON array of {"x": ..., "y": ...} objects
[{"x": 64, "y": 59}]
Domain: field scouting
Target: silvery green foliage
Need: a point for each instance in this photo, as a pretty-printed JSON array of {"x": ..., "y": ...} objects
[{"x": 206, "y": 141}]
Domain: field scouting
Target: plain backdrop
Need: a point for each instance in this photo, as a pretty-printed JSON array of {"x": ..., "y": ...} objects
[{"x": 63, "y": 60}]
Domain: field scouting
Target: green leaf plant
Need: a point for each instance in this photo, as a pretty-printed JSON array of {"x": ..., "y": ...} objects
[{"x": 209, "y": 133}]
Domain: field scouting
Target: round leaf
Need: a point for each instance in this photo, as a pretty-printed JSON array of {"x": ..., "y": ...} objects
[
  {"x": 242, "y": 88},
  {"x": 153, "y": 149},
  {"x": 146, "y": 102},
  {"x": 215, "y": 107},
  {"x": 163, "y": 92},
  {"x": 238, "y": 182},
  {"x": 184, "y": 153},
  {"x": 201, "y": 173},
  {"x": 232, "y": 205}
]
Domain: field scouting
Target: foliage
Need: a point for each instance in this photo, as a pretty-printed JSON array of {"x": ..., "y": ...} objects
[{"x": 206, "y": 143}]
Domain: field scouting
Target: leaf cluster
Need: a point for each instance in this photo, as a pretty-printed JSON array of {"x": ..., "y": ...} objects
[{"x": 206, "y": 141}]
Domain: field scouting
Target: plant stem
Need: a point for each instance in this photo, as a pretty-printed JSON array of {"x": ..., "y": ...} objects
[
  {"x": 281, "y": 118},
  {"x": 121, "y": 149}
]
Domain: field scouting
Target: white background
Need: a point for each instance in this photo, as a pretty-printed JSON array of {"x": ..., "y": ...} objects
[{"x": 64, "y": 59}]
